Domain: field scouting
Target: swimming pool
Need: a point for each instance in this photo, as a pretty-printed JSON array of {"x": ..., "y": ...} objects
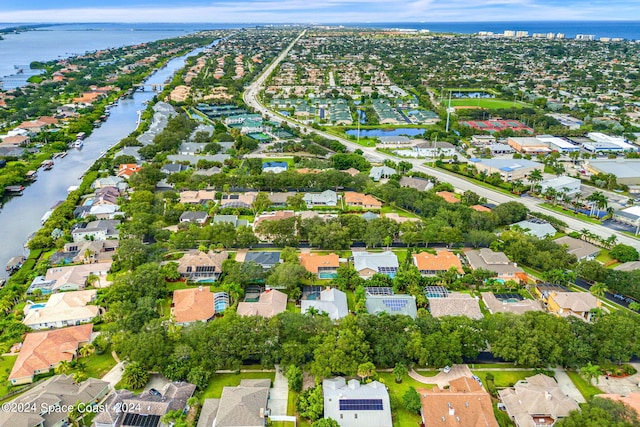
[{"x": 36, "y": 306}]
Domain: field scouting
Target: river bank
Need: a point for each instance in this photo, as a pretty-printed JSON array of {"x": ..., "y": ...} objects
[{"x": 21, "y": 216}]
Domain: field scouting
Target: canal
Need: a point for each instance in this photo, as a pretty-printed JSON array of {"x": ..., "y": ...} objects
[{"x": 22, "y": 215}]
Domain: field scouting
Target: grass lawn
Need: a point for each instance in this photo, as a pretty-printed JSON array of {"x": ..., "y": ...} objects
[
  {"x": 173, "y": 286},
  {"x": 218, "y": 381},
  {"x": 587, "y": 390},
  {"x": 6, "y": 364},
  {"x": 401, "y": 417},
  {"x": 291, "y": 306},
  {"x": 490, "y": 103},
  {"x": 505, "y": 378},
  {"x": 605, "y": 258},
  {"x": 481, "y": 366},
  {"x": 97, "y": 365},
  {"x": 351, "y": 301}
]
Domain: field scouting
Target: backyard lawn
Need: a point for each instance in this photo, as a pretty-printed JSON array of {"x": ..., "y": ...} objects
[
  {"x": 97, "y": 365},
  {"x": 218, "y": 381},
  {"x": 505, "y": 378}
]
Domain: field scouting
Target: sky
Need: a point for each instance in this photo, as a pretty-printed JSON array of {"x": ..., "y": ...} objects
[{"x": 315, "y": 11}]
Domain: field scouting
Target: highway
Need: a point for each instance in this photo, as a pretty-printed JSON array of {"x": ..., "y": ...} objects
[{"x": 251, "y": 98}]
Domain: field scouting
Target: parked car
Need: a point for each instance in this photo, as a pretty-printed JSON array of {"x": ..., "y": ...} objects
[
  {"x": 447, "y": 369},
  {"x": 154, "y": 392}
]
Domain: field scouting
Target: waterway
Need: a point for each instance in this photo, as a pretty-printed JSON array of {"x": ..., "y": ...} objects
[{"x": 22, "y": 215}]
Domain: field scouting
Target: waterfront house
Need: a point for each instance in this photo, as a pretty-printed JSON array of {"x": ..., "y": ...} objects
[
  {"x": 71, "y": 278},
  {"x": 128, "y": 169},
  {"x": 62, "y": 309}
]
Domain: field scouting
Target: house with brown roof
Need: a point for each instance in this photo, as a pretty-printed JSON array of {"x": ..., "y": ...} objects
[
  {"x": 244, "y": 405},
  {"x": 480, "y": 208},
  {"x": 579, "y": 248},
  {"x": 272, "y": 216},
  {"x": 351, "y": 171},
  {"x": 578, "y": 304},
  {"x": 509, "y": 305},
  {"x": 463, "y": 404},
  {"x": 244, "y": 201},
  {"x": 15, "y": 141},
  {"x": 497, "y": 262},
  {"x": 270, "y": 303},
  {"x": 448, "y": 196},
  {"x": 419, "y": 184},
  {"x": 197, "y": 197},
  {"x": 43, "y": 351},
  {"x": 442, "y": 261},
  {"x": 537, "y": 401},
  {"x": 359, "y": 200},
  {"x": 323, "y": 266},
  {"x": 455, "y": 304},
  {"x": 192, "y": 305},
  {"x": 197, "y": 266}
]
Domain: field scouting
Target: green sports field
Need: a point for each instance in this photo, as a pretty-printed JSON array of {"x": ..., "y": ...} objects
[{"x": 489, "y": 103}]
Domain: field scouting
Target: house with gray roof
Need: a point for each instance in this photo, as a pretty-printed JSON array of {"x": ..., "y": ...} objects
[
  {"x": 419, "y": 184},
  {"x": 58, "y": 391},
  {"x": 197, "y": 217},
  {"x": 110, "y": 181},
  {"x": 628, "y": 266},
  {"x": 193, "y": 160},
  {"x": 266, "y": 260},
  {"x": 497, "y": 262},
  {"x": 275, "y": 167},
  {"x": 455, "y": 304},
  {"x": 379, "y": 172},
  {"x": 96, "y": 230},
  {"x": 536, "y": 227},
  {"x": 392, "y": 304},
  {"x": 367, "y": 264},
  {"x": 171, "y": 168},
  {"x": 353, "y": 404},
  {"x": 326, "y": 198},
  {"x": 331, "y": 301},
  {"x": 241, "y": 406},
  {"x": 579, "y": 248},
  {"x": 129, "y": 151}
]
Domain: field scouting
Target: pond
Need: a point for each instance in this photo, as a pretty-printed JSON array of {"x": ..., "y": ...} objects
[{"x": 369, "y": 133}]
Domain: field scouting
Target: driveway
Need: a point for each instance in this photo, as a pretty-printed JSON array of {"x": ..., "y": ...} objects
[
  {"x": 114, "y": 376},
  {"x": 278, "y": 394},
  {"x": 623, "y": 386},
  {"x": 158, "y": 382},
  {"x": 442, "y": 379},
  {"x": 567, "y": 386}
]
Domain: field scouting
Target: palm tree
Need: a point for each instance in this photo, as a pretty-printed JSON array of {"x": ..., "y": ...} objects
[
  {"x": 399, "y": 371},
  {"x": 135, "y": 375},
  {"x": 86, "y": 350},
  {"x": 598, "y": 289},
  {"x": 591, "y": 371},
  {"x": 535, "y": 177},
  {"x": 63, "y": 368},
  {"x": 365, "y": 370}
]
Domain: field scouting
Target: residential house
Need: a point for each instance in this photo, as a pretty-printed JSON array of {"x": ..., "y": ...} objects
[
  {"x": 379, "y": 172},
  {"x": 123, "y": 408},
  {"x": 497, "y": 262},
  {"x": 197, "y": 197},
  {"x": 193, "y": 160},
  {"x": 230, "y": 219},
  {"x": 279, "y": 200},
  {"x": 369, "y": 216},
  {"x": 322, "y": 266},
  {"x": 272, "y": 216},
  {"x": 275, "y": 167},
  {"x": 579, "y": 248},
  {"x": 127, "y": 169},
  {"x": 351, "y": 171},
  {"x": 60, "y": 391},
  {"x": 353, "y": 404},
  {"x": 197, "y": 217},
  {"x": 359, "y": 200},
  {"x": 15, "y": 141},
  {"x": 537, "y": 401},
  {"x": 90, "y": 251},
  {"x": 71, "y": 278},
  {"x": 330, "y": 300},
  {"x": 463, "y": 404},
  {"x": 480, "y": 208},
  {"x": 197, "y": 266},
  {"x": 509, "y": 305},
  {"x": 62, "y": 309},
  {"x": 430, "y": 265},
  {"x": 632, "y": 399},
  {"x": 266, "y": 260},
  {"x": 192, "y": 305},
  {"x": 244, "y": 405},
  {"x": 171, "y": 168},
  {"x": 419, "y": 184},
  {"x": 448, "y": 196},
  {"x": 628, "y": 266},
  {"x": 455, "y": 304},
  {"x": 536, "y": 227},
  {"x": 102, "y": 229},
  {"x": 270, "y": 303},
  {"x": 106, "y": 196},
  {"x": 578, "y": 304},
  {"x": 389, "y": 303},
  {"x": 43, "y": 351},
  {"x": 367, "y": 264},
  {"x": 130, "y": 151},
  {"x": 326, "y": 198},
  {"x": 244, "y": 201}
]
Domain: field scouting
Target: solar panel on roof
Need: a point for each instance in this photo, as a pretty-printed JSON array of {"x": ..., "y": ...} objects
[
  {"x": 378, "y": 290},
  {"x": 361, "y": 405},
  {"x": 139, "y": 420},
  {"x": 387, "y": 269},
  {"x": 395, "y": 304}
]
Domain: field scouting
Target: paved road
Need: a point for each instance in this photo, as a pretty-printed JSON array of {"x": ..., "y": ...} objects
[{"x": 250, "y": 97}]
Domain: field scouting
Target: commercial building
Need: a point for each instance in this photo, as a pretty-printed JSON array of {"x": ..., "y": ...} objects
[
  {"x": 627, "y": 171},
  {"x": 618, "y": 141},
  {"x": 565, "y": 184},
  {"x": 558, "y": 144},
  {"x": 509, "y": 169},
  {"x": 528, "y": 145}
]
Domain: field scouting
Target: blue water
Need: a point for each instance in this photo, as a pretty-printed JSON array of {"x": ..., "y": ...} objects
[
  {"x": 629, "y": 30},
  {"x": 364, "y": 133},
  {"x": 34, "y": 306}
]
